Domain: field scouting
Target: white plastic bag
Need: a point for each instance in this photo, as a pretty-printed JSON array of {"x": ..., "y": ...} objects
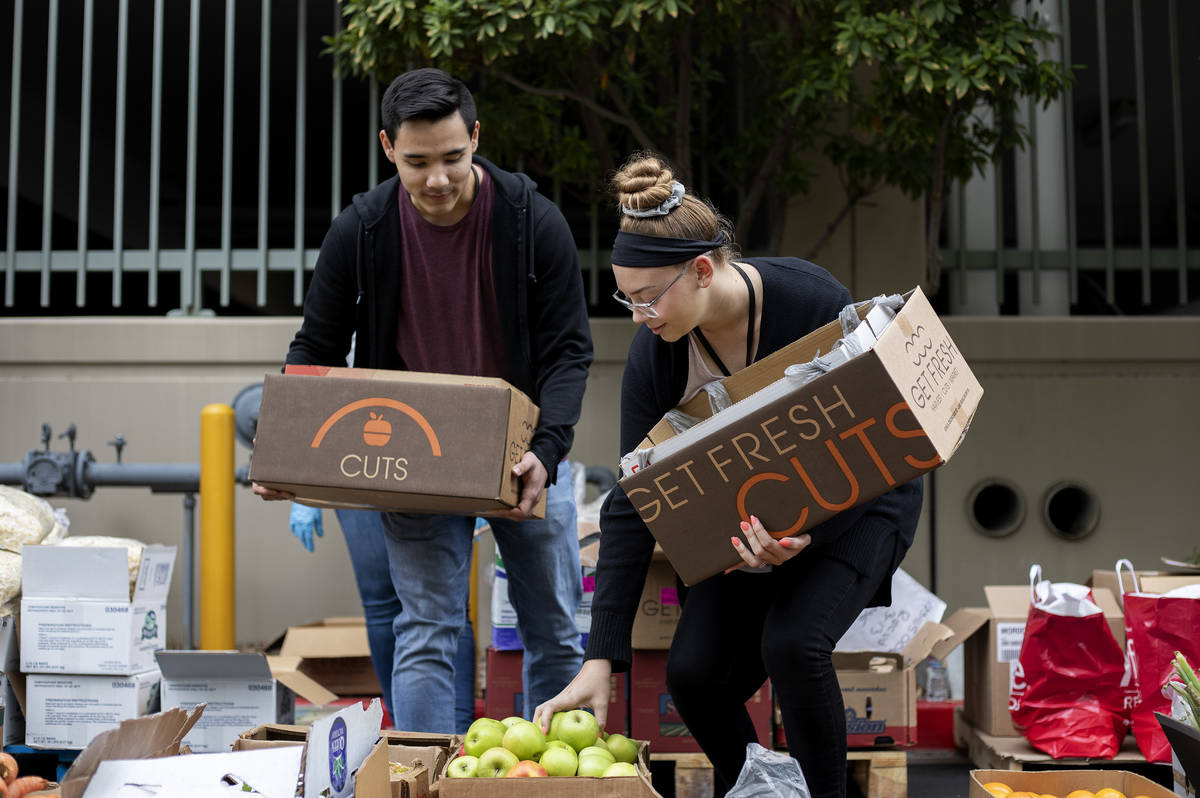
[{"x": 769, "y": 774}]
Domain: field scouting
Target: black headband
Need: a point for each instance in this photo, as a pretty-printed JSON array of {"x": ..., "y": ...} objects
[{"x": 642, "y": 251}]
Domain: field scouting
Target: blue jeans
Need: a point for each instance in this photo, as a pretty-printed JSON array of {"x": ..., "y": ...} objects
[
  {"x": 365, "y": 539},
  {"x": 430, "y": 560}
]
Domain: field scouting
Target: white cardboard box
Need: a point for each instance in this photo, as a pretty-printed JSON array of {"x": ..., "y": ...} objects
[
  {"x": 271, "y": 773},
  {"x": 67, "y": 711},
  {"x": 241, "y": 690},
  {"x": 77, "y": 616}
]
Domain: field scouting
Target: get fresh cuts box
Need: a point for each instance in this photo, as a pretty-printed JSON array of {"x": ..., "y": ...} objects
[
  {"x": 77, "y": 615},
  {"x": 799, "y": 453},
  {"x": 392, "y": 440}
]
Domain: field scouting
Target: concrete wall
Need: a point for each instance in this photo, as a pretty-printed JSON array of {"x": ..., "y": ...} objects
[{"x": 1107, "y": 403}]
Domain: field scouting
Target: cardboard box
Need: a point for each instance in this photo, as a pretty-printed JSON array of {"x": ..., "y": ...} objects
[
  {"x": 239, "y": 689},
  {"x": 879, "y": 688},
  {"x": 1063, "y": 782},
  {"x": 888, "y": 415},
  {"x": 272, "y": 774},
  {"x": 426, "y": 754},
  {"x": 67, "y": 711},
  {"x": 271, "y": 735},
  {"x": 77, "y": 615},
  {"x": 993, "y": 642},
  {"x": 505, "y": 694},
  {"x": 334, "y": 653},
  {"x": 1148, "y": 581},
  {"x": 658, "y": 608},
  {"x": 554, "y": 787},
  {"x": 393, "y": 440},
  {"x": 652, "y": 710}
]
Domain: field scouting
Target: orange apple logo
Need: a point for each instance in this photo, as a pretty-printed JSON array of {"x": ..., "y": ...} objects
[{"x": 377, "y": 431}]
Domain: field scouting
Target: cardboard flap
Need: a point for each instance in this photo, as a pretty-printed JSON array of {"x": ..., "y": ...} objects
[
  {"x": 89, "y": 572},
  {"x": 212, "y": 665},
  {"x": 923, "y": 642},
  {"x": 1008, "y": 601},
  {"x": 326, "y": 641},
  {"x": 286, "y": 672},
  {"x": 140, "y": 738},
  {"x": 962, "y": 624},
  {"x": 154, "y": 573}
]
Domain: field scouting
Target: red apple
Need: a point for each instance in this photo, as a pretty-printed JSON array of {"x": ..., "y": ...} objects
[{"x": 526, "y": 768}]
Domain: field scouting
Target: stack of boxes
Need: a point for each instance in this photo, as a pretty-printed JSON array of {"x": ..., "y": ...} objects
[{"x": 87, "y": 640}]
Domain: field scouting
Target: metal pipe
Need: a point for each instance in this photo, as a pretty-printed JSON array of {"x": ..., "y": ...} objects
[
  {"x": 1110, "y": 291},
  {"x": 189, "y": 569},
  {"x": 1035, "y": 232},
  {"x": 217, "y": 566},
  {"x": 227, "y": 160},
  {"x": 1069, "y": 140},
  {"x": 189, "y": 282},
  {"x": 301, "y": 128},
  {"x": 159, "y": 477},
  {"x": 14, "y": 138},
  {"x": 48, "y": 172},
  {"x": 1177, "y": 127},
  {"x": 155, "y": 150},
  {"x": 85, "y": 143},
  {"x": 119, "y": 154},
  {"x": 12, "y": 474},
  {"x": 1139, "y": 72},
  {"x": 264, "y": 113}
]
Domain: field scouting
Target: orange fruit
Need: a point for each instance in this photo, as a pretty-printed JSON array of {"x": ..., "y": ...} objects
[
  {"x": 1047, "y": 795},
  {"x": 1109, "y": 792},
  {"x": 1081, "y": 794},
  {"x": 997, "y": 788},
  {"x": 1022, "y": 794}
]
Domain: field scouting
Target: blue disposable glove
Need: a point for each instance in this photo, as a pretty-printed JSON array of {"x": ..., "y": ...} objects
[{"x": 304, "y": 521}]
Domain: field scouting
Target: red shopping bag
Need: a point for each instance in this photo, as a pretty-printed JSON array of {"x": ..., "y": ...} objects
[
  {"x": 1156, "y": 626},
  {"x": 1066, "y": 695}
]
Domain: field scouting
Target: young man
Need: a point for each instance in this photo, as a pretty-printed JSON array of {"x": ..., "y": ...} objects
[{"x": 457, "y": 266}]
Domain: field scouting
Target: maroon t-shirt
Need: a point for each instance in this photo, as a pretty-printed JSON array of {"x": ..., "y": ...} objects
[{"x": 448, "y": 322}]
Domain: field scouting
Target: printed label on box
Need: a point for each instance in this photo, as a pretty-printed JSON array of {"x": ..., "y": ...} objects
[{"x": 1008, "y": 641}]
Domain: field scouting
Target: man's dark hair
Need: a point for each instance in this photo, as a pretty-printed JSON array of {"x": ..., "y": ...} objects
[{"x": 426, "y": 94}]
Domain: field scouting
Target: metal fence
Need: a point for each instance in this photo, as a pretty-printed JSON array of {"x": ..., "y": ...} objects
[{"x": 235, "y": 215}]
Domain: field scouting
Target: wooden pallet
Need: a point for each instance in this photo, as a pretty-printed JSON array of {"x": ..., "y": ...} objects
[
  {"x": 878, "y": 774},
  {"x": 1015, "y": 753}
]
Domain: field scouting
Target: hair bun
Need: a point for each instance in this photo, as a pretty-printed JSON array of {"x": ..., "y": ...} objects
[{"x": 642, "y": 183}]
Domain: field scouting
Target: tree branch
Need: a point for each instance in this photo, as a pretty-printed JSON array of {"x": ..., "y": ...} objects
[
  {"x": 770, "y": 165},
  {"x": 683, "y": 108},
  {"x": 567, "y": 94}
]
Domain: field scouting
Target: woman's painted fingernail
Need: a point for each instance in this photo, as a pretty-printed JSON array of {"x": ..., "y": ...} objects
[
  {"x": 737, "y": 544},
  {"x": 754, "y": 520},
  {"x": 745, "y": 527},
  {"x": 785, "y": 542}
]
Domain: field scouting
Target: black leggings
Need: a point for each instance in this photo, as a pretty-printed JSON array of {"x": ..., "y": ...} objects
[{"x": 737, "y": 629}]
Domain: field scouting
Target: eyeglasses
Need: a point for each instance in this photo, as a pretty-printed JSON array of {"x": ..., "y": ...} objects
[{"x": 647, "y": 308}]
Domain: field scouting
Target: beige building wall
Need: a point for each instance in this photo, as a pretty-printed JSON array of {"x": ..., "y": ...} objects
[{"x": 1106, "y": 403}]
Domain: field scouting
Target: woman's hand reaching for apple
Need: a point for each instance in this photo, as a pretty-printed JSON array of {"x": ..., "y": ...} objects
[
  {"x": 589, "y": 688},
  {"x": 762, "y": 548}
]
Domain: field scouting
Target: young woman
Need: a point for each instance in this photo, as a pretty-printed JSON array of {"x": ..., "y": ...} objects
[{"x": 705, "y": 312}]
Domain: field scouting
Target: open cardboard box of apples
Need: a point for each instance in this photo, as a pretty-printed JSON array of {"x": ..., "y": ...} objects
[{"x": 495, "y": 753}]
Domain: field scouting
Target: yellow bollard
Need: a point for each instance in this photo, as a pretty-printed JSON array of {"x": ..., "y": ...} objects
[{"x": 217, "y": 574}]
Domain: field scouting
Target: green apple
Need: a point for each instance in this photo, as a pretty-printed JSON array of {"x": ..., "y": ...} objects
[
  {"x": 510, "y": 720},
  {"x": 621, "y": 747},
  {"x": 592, "y": 765},
  {"x": 463, "y": 767},
  {"x": 559, "y": 759},
  {"x": 483, "y": 734},
  {"x": 555, "y": 722},
  {"x": 496, "y": 762},
  {"x": 595, "y": 750},
  {"x": 524, "y": 739},
  {"x": 578, "y": 729},
  {"x": 600, "y": 743},
  {"x": 620, "y": 769}
]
